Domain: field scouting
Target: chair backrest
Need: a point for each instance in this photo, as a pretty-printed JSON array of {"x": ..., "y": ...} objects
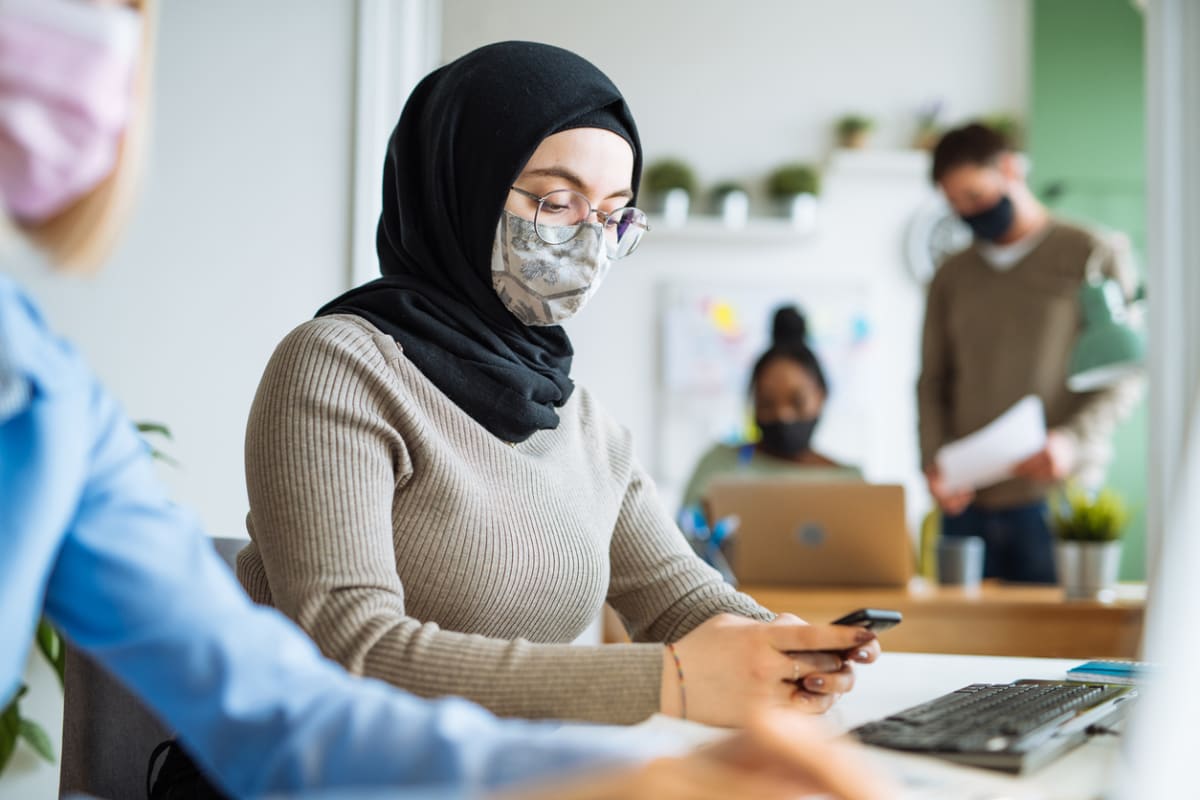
[{"x": 108, "y": 734}]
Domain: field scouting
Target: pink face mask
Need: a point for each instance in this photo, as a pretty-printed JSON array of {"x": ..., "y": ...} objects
[{"x": 66, "y": 77}]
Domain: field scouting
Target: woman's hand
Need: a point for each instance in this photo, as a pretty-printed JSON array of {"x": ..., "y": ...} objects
[
  {"x": 733, "y": 665},
  {"x": 778, "y": 756}
]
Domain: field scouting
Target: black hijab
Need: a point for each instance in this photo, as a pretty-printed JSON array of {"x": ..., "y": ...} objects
[{"x": 464, "y": 136}]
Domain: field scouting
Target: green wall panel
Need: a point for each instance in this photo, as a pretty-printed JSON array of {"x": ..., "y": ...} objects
[{"x": 1086, "y": 137}]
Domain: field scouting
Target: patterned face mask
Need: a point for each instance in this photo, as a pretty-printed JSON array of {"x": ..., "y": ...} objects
[{"x": 544, "y": 284}]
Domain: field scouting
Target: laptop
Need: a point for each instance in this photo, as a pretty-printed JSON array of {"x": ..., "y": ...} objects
[{"x": 799, "y": 532}]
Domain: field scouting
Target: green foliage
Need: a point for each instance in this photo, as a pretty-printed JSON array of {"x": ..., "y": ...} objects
[
  {"x": 793, "y": 179},
  {"x": 15, "y": 728},
  {"x": 35, "y": 736},
  {"x": 10, "y": 727},
  {"x": 1080, "y": 518},
  {"x": 1008, "y": 126},
  {"x": 667, "y": 174},
  {"x": 149, "y": 429},
  {"x": 51, "y": 646},
  {"x": 726, "y": 187},
  {"x": 852, "y": 124}
]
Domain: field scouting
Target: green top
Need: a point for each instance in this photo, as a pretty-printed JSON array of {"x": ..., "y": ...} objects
[{"x": 746, "y": 459}]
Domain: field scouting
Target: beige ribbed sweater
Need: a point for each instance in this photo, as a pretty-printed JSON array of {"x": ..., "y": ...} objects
[{"x": 415, "y": 547}]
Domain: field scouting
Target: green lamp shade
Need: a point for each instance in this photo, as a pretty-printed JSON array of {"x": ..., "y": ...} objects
[{"x": 1108, "y": 349}]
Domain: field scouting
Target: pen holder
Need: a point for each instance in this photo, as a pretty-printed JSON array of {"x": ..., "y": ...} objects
[
  {"x": 709, "y": 542},
  {"x": 960, "y": 561}
]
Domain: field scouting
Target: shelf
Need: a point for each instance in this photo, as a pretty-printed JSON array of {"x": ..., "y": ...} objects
[
  {"x": 879, "y": 162},
  {"x": 709, "y": 228}
]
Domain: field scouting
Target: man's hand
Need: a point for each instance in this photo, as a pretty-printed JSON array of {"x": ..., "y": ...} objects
[
  {"x": 952, "y": 501},
  {"x": 1053, "y": 463}
]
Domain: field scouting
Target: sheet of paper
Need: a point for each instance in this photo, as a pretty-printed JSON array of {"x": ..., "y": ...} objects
[{"x": 989, "y": 455}]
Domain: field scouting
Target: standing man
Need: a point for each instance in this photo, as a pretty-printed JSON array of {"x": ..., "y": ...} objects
[{"x": 1001, "y": 319}]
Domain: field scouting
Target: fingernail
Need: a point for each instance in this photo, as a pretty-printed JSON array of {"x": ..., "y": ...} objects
[
  {"x": 862, "y": 655},
  {"x": 815, "y": 683},
  {"x": 864, "y": 636}
]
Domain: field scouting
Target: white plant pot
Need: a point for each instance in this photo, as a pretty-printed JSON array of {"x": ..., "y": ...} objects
[
  {"x": 802, "y": 211},
  {"x": 1088, "y": 570},
  {"x": 735, "y": 209},
  {"x": 675, "y": 208}
]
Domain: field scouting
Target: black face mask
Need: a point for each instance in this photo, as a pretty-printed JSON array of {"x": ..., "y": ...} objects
[
  {"x": 787, "y": 439},
  {"x": 994, "y": 222}
]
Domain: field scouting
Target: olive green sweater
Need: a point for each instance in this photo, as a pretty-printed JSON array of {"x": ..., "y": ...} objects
[
  {"x": 993, "y": 336},
  {"x": 725, "y": 459},
  {"x": 415, "y": 547}
]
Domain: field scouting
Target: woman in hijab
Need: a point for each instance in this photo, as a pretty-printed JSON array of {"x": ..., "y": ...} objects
[
  {"x": 435, "y": 501},
  {"x": 89, "y": 538}
]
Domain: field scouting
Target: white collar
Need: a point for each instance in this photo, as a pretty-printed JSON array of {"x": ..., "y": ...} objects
[{"x": 1003, "y": 257}]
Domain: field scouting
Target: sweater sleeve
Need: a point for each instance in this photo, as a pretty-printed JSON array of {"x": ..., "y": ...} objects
[
  {"x": 323, "y": 463},
  {"x": 933, "y": 385},
  {"x": 660, "y": 588}
]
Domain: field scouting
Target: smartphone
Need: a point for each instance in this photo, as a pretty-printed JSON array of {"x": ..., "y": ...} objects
[{"x": 873, "y": 619}]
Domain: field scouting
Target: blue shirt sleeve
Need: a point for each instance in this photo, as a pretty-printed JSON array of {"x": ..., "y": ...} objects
[{"x": 88, "y": 536}]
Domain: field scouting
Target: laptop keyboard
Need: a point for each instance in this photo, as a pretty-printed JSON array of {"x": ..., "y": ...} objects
[{"x": 999, "y": 726}]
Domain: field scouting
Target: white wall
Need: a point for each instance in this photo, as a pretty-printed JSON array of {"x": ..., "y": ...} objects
[
  {"x": 738, "y": 88},
  {"x": 241, "y": 233},
  {"x": 865, "y": 211}
]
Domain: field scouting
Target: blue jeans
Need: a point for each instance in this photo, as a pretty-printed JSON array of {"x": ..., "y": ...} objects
[{"x": 1018, "y": 544}]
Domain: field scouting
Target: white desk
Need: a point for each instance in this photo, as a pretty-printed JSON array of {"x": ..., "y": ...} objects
[{"x": 900, "y": 680}]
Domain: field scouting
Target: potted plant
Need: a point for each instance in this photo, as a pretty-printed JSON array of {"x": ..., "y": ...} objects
[
  {"x": 1008, "y": 126},
  {"x": 15, "y": 727},
  {"x": 929, "y": 127},
  {"x": 795, "y": 187},
  {"x": 732, "y": 203},
  {"x": 671, "y": 183},
  {"x": 1089, "y": 542},
  {"x": 853, "y": 131}
]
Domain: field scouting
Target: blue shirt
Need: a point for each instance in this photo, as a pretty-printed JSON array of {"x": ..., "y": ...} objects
[{"x": 88, "y": 537}]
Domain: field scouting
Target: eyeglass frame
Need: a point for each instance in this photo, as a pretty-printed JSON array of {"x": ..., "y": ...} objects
[{"x": 601, "y": 216}]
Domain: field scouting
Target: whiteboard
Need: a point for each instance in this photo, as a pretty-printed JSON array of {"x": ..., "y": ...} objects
[{"x": 710, "y": 337}]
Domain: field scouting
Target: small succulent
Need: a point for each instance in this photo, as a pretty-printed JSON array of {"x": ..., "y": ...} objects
[
  {"x": 726, "y": 187},
  {"x": 790, "y": 180},
  {"x": 667, "y": 174},
  {"x": 852, "y": 124},
  {"x": 929, "y": 115},
  {"x": 1079, "y": 517},
  {"x": 1008, "y": 126}
]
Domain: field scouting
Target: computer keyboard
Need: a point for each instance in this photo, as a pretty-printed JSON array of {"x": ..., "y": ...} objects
[{"x": 1013, "y": 727}]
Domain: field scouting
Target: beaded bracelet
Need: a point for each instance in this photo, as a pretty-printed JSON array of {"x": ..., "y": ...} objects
[{"x": 682, "y": 691}]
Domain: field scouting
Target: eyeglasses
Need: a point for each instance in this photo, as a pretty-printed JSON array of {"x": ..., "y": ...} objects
[{"x": 561, "y": 214}]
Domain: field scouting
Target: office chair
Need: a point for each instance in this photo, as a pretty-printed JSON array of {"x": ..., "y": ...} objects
[{"x": 108, "y": 734}]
